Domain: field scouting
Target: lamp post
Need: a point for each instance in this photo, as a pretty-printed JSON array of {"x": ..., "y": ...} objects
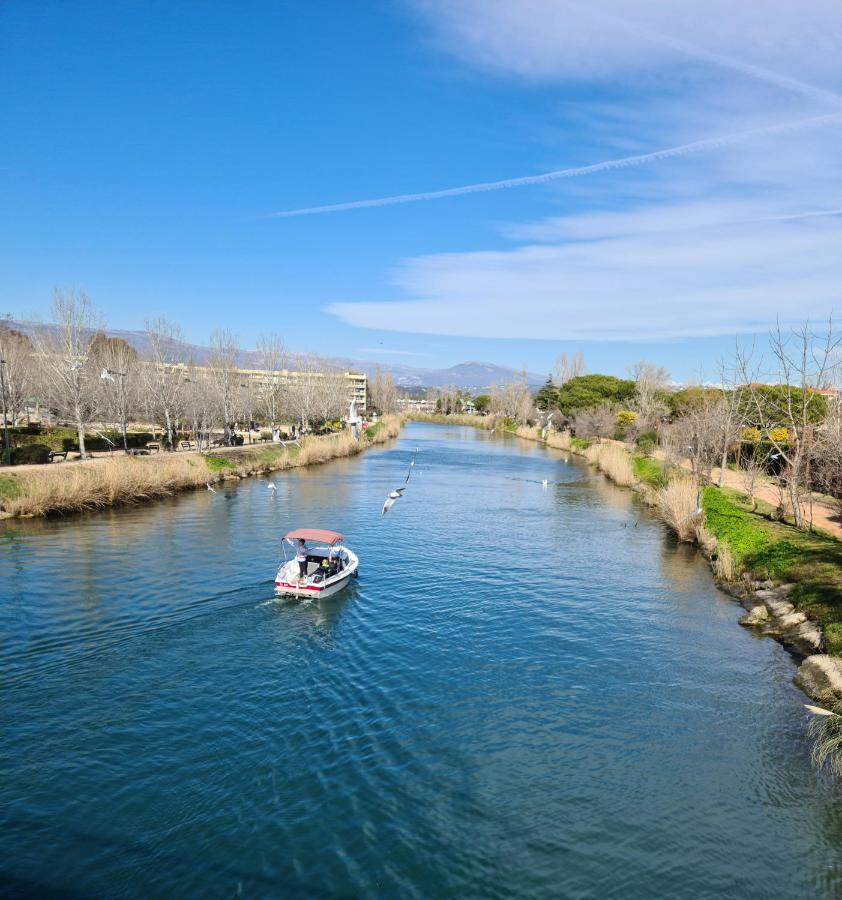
[
  {"x": 7, "y": 449},
  {"x": 108, "y": 375}
]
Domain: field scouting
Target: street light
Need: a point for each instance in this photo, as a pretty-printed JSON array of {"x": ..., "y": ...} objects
[
  {"x": 7, "y": 449},
  {"x": 108, "y": 375}
]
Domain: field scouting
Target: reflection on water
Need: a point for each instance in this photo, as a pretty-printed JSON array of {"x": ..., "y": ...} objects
[{"x": 529, "y": 691}]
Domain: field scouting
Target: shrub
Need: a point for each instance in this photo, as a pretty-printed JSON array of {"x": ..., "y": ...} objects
[
  {"x": 646, "y": 442},
  {"x": 779, "y": 435},
  {"x": 265, "y": 435},
  {"x": 751, "y": 435},
  {"x": 31, "y": 454},
  {"x": 626, "y": 418}
]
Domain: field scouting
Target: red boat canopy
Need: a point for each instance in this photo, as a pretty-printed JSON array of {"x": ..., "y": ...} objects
[{"x": 314, "y": 534}]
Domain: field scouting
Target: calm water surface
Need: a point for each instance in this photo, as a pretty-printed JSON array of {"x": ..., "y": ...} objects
[{"x": 523, "y": 695}]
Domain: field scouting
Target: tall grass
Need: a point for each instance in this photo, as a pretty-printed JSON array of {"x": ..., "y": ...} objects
[
  {"x": 826, "y": 732},
  {"x": 125, "y": 479},
  {"x": 613, "y": 461},
  {"x": 677, "y": 502},
  {"x": 72, "y": 488},
  {"x": 559, "y": 440},
  {"x": 528, "y": 432}
]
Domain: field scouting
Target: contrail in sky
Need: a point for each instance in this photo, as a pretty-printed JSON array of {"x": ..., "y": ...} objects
[{"x": 605, "y": 166}]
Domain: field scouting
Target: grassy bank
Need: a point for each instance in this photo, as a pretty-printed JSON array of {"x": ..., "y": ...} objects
[
  {"x": 65, "y": 488},
  {"x": 743, "y": 543},
  {"x": 765, "y": 548}
]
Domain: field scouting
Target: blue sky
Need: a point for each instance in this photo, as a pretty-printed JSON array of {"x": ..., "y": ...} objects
[{"x": 147, "y": 145}]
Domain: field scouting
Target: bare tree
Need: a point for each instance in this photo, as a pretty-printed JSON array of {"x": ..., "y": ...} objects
[
  {"x": 332, "y": 395},
  {"x": 304, "y": 391},
  {"x": 382, "y": 390},
  {"x": 198, "y": 405},
  {"x": 16, "y": 351},
  {"x": 565, "y": 368},
  {"x": 753, "y": 466},
  {"x": 274, "y": 388},
  {"x": 117, "y": 362},
  {"x": 164, "y": 374},
  {"x": 651, "y": 382},
  {"x": 512, "y": 400},
  {"x": 225, "y": 379},
  {"x": 69, "y": 374},
  {"x": 595, "y": 422},
  {"x": 787, "y": 411},
  {"x": 827, "y": 454}
]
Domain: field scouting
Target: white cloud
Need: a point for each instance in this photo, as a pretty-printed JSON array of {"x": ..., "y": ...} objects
[
  {"x": 745, "y": 247},
  {"x": 720, "y": 243},
  {"x": 541, "y": 39}
]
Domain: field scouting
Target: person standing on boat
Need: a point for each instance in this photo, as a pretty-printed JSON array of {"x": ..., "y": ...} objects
[{"x": 300, "y": 558}]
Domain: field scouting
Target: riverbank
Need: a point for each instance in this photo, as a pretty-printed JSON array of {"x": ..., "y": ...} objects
[
  {"x": 788, "y": 580},
  {"x": 96, "y": 484}
]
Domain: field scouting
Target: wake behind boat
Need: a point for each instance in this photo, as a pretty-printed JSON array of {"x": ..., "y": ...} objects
[{"x": 320, "y": 569}]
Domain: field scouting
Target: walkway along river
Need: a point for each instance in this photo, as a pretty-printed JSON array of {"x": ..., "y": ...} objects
[{"x": 524, "y": 695}]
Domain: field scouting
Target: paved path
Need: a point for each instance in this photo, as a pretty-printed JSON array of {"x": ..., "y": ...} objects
[{"x": 823, "y": 515}]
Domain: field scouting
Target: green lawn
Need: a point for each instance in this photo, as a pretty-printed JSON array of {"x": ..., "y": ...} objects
[
  {"x": 775, "y": 550},
  {"x": 649, "y": 471}
]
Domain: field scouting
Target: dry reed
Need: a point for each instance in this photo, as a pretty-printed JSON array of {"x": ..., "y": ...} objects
[
  {"x": 613, "y": 461},
  {"x": 559, "y": 440},
  {"x": 723, "y": 563},
  {"x": 678, "y": 503}
]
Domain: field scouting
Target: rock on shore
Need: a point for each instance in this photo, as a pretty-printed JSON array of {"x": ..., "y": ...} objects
[
  {"x": 820, "y": 677},
  {"x": 769, "y": 609}
]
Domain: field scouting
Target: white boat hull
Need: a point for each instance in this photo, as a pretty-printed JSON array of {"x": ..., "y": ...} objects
[{"x": 289, "y": 584}]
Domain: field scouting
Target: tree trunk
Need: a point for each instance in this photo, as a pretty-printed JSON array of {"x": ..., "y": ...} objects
[
  {"x": 80, "y": 432},
  {"x": 169, "y": 428},
  {"x": 792, "y": 484},
  {"x": 722, "y": 464}
]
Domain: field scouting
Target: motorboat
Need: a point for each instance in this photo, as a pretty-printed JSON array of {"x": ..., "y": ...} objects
[{"x": 330, "y": 565}]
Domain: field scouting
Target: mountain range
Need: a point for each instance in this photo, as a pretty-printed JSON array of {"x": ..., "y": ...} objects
[{"x": 471, "y": 375}]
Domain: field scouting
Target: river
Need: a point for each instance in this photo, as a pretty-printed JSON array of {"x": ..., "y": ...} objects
[{"x": 529, "y": 692}]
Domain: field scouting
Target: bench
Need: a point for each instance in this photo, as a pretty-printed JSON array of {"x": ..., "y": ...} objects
[
  {"x": 55, "y": 454},
  {"x": 153, "y": 447},
  {"x": 186, "y": 445}
]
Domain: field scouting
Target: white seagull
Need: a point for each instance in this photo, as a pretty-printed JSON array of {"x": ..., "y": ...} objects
[
  {"x": 272, "y": 486},
  {"x": 390, "y": 500},
  {"x": 411, "y": 464},
  {"x": 210, "y": 488}
]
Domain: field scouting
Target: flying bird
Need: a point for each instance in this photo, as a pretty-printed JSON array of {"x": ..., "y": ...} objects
[
  {"x": 411, "y": 464},
  {"x": 210, "y": 488},
  {"x": 390, "y": 500}
]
